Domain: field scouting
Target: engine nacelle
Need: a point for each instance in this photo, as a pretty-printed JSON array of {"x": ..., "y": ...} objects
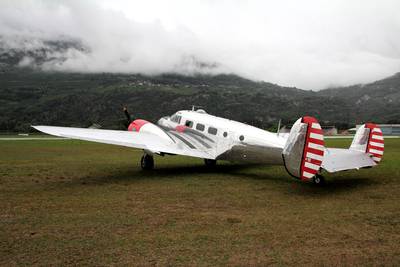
[
  {"x": 144, "y": 126},
  {"x": 304, "y": 150}
]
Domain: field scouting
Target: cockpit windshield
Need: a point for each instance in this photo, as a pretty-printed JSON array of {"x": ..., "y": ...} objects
[{"x": 176, "y": 118}]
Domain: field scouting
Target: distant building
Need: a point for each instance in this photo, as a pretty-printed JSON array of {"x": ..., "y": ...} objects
[
  {"x": 387, "y": 129},
  {"x": 329, "y": 130}
]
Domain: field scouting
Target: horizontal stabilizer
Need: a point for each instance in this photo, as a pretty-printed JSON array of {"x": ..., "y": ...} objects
[{"x": 366, "y": 150}]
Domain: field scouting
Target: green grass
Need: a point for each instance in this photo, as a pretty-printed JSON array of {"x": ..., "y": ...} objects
[{"x": 78, "y": 203}]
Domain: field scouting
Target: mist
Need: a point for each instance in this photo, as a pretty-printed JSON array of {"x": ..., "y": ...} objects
[{"x": 307, "y": 44}]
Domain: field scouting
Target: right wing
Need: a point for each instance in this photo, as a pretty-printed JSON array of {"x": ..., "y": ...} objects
[{"x": 178, "y": 144}]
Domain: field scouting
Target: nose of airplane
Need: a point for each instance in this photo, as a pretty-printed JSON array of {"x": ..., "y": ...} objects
[{"x": 164, "y": 121}]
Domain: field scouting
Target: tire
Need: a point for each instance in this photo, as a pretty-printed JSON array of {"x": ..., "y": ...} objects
[
  {"x": 319, "y": 180},
  {"x": 210, "y": 162},
  {"x": 147, "y": 162}
]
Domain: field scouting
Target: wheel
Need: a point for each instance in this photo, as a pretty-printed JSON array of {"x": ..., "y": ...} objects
[
  {"x": 319, "y": 180},
  {"x": 147, "y": 162},
  {"x": 210, "y": 162}
]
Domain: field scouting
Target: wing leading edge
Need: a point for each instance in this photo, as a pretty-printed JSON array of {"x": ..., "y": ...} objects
[{"x": 141, "y": 140}]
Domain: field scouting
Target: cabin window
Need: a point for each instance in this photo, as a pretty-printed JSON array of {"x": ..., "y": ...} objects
[
  {"x": 212, "y": 130},
  {"x": 189, "y": 124},
  {"x": 200, "y": 127},
  {"x": 225, "y": 134}
]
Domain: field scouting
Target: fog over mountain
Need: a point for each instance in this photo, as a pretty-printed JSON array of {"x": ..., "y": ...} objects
[{"x": 308, "y": 44}]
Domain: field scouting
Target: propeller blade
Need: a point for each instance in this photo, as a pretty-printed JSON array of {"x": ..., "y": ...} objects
[{"x": 128, "y": 116}]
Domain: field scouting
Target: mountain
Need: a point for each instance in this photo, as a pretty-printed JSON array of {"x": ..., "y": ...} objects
[
  {"x": 29, "y": 95},
  {"x": 35, "y": 97},
  {"x": 18, "y": 51},
  {"x": 377, "y": 101}
]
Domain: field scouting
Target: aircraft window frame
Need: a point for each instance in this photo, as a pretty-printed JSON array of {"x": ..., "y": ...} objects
[
  {"x": 201, "y": 127},
  {"x": 189, "y": 123},
  {"x": 176, "y": 118},
  {"x": 212, "y": 130}
]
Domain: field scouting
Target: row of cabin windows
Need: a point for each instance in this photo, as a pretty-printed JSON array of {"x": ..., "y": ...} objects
[{"x": 201, "y": 127}]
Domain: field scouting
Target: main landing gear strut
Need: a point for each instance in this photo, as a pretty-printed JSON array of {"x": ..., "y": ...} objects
[
  {"x": 210, "y": 162},
  {"x": 147, "y": 162}
]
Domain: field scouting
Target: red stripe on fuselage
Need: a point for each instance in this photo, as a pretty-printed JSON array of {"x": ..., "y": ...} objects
[{"x": 181, "y": 128}]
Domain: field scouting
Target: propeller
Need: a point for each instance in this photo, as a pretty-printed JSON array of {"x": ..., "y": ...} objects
[{"x": 128, "y": 116}]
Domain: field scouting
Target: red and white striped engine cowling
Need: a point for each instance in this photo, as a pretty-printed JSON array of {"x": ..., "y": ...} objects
[{"x": 144, "y": 126}]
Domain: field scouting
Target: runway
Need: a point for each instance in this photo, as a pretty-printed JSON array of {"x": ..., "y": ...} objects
[{"x": 31, "y": 138}]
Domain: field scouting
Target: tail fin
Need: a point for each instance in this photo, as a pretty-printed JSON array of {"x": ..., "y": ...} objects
[
  {"x": 369, "y": 139},
  {"x": 304, "y": 150}
]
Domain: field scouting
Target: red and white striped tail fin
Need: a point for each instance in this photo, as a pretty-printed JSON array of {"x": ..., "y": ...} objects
[
  {"x": 304, "y": 151},
  {"x": 313, "y": 153},
  {"x": 376, "y": 144},
  {"x": 369, "y": 139}
]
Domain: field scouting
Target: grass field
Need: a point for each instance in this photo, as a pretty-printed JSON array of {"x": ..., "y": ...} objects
[{"x": 69, "y": 202}]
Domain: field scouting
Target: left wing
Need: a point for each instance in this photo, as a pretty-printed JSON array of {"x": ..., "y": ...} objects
[{"x": 176, "y": 144}]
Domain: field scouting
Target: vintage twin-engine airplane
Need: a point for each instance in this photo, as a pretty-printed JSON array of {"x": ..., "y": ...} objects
[{"x": 198, "y": 134}]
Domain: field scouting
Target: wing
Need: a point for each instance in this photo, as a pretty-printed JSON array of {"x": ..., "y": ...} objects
[
  {"x": 176, "y": 144},
  {"x": 337, "y": 159}
]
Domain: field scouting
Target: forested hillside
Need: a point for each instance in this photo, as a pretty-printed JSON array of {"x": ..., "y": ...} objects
[{"x": 73, "y": 99}]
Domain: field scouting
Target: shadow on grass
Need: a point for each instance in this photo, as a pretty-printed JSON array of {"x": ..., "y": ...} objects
[
  {"x": 338, "y": 185},
  {"x": 343, "y": 183}
]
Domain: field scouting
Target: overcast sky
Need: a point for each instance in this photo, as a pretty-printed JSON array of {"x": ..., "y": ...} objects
[{"x": 310, "y": 44}]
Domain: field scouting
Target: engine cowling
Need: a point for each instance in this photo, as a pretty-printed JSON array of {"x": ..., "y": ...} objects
[
  {"x": 304, "y": 150},
  {"x": 144, "y": 126}
]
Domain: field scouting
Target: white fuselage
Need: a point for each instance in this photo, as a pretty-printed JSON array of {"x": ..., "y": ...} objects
[{"x": 241, "y": 142}]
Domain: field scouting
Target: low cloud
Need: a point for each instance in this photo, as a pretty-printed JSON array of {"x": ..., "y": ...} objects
[{"x": 308, "y": 44}]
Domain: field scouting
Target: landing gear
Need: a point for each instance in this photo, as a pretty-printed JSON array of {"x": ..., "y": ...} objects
[
  {"x": 147, "y": 162},
  {"x": 319, "y": 180},
  {"x": 210, "y": 162}
]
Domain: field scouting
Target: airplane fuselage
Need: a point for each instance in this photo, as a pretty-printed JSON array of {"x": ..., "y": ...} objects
[{"x": 241, "y": 142}]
